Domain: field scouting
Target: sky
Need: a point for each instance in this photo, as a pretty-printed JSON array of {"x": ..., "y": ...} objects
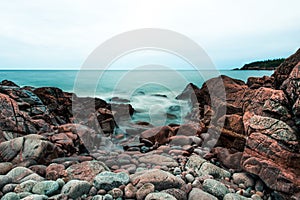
[{"x": 61, "y": 34}]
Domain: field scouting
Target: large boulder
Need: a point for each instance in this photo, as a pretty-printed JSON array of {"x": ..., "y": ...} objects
[
  {"x": 284, "y": 70},
  {"x": 30, "y": 147}
]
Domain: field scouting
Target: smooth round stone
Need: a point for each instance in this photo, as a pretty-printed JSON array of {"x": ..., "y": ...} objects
[
  {"x": 5, "y": 167},
  {"x": 24, "y": 194},
  {"x": 177, "y": 171},
  {"x": 97, "y": 197},
  {"x": 190, "y": 178},
  {"x": 9, "y": 188},
  {"x": 116, "y": 193},
  {"x": 10, "y": 196},
  {"x": 36, "y": 197},
  {"x": 215, "y": 188},
  {"x": 46, "y": 188},
  {"x": 144, "y": 191},
  {"x": 76, "y": 188},
  {"x": 110, "y": 180},
  {"x": 60, "y": 182},
  {"x": 159, "y": 196},
  {"x": 107, "y": 197},
  {"x": 256, "y": 197}
]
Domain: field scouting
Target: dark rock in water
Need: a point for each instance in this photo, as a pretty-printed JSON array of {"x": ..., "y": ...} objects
[
  {"x": 119, "y": 100},
  {"x": 8, "y": 83},
  {"x": 158, "y": 135},
  {"x": 160, "y": 95}
]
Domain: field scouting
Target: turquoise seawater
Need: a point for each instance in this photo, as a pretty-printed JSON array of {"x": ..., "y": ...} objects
[{"x": 151, "y": 93}]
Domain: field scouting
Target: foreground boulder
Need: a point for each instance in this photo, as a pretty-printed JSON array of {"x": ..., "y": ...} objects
[{"x": 30, "y": 147}]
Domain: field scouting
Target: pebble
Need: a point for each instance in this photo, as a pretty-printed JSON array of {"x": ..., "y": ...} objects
[
  {"x": 9, "y": 188},
  {"x": 177, "y": 171},
  {"x": 190, "y": 178},
  {"x": 116, "y": 193},
  {"x": 107, "y": 197},
  {"x": 97, "y": 197},
  {"x": 130, "y": 191}
]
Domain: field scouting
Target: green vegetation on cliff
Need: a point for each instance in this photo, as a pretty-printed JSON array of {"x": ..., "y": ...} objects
[{"x": 263, "y": 65}]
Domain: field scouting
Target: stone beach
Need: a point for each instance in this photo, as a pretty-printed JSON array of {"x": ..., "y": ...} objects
[{"x": 50, "y": 150}]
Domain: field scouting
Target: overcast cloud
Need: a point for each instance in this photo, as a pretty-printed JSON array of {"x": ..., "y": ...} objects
[{"x": 60, "y": 34}]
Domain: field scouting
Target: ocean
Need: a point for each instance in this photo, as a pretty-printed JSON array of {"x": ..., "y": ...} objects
[{"x": 151, "y": 93}]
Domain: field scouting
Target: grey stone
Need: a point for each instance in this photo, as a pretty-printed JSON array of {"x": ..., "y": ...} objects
[
  {"x": 24, "y": 194},
  {"x": 215, "y": 171},
  {"x": 48, "y": 188},
  {"x": 76, "y": 188},
  {"x": 195, "y": 162},
  {"x": 233, "y": 196},
  {"x": 215, "y": 188},
  {"x": 159, "y": 196},
  {"x": 97, "y": 197},
  {"x": 21, "y": 174},
  {"x": 198, "y": 194},
  {"x": 10, "y": 196},
  {"x": 243, "y": 178},
  {"x": 110, "y": 180},
  {"x": 107, "y": 197},
  {"x": 25, "y": 186},
  {"x": 36, "y": 197},
  {"x": 9, "y": 188},
  {"x": 4, "y": 180}
]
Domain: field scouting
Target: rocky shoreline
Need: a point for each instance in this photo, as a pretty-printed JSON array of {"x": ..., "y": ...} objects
[{"x": 50, "y": 150}]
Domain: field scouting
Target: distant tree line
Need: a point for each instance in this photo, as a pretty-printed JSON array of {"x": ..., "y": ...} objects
[{"x": 269, "y": 64}]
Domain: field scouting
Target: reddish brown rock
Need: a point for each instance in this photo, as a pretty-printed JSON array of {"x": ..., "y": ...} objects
[
  {"x": 284, "y": 70},
  {"x": 86, "y": 170},
  {"x": 275, "y": 164},
  {"x": 30, "y": 147},
  {"x": 257, "y": 82},
  {"x": 160, "y": 135},
  {"x": 55, "y": 171}
]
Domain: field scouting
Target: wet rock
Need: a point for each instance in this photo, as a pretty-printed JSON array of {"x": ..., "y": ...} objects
[
  {"x": 160, "y": 179},
  {"x": 156, "y": 159},
  {"x": 86, "y": 170},
  {"x": 198, "y": 194},
  {"x": 75, "y": 188},
  {"x": 215, "y": 188},
  {"x": 159, "y": 196},
  {"x": 48, "y": 188},
  {"x": 144, "y": 191},
  {"x": 110, "y": 180}
]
